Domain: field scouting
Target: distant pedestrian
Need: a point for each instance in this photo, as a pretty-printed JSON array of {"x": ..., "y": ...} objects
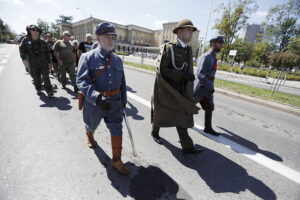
[
  {"x": 86, "y": 45},
  {"x": 75, "y": 45},
  {"x": 35, "y": 55},
  {"x": 66, "y": 58}
]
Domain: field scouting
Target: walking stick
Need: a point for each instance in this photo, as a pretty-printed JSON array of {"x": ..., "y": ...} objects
[{"x": 129, "y": 132}]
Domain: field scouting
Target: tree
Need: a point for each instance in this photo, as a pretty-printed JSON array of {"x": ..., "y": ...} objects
[
  {"x": 261, "y": 52},
  {"x": 285, "y": 59},
  {"x": 294, "y": 46},
  {"x": 5, "y": 32},
  {"x": 49, "y": 27},
  {"x": 244, "y": 50},
  {"x": 284, "y": 21},
  {"x": 55, "y": 30},
  {"x": 64, "y": 19},
  {"x": 234, "y": 18},
  {"x": 43, "y": 25}
]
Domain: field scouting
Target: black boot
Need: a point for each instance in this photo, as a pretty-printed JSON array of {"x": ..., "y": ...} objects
[
  {"x": 155, "y": 134},
  {"x": 207, "y": 123}
]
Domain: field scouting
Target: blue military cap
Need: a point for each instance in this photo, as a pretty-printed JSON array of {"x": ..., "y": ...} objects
[
  {"x": 219, "y": 39},
  {"x": 105, "y": 28}
]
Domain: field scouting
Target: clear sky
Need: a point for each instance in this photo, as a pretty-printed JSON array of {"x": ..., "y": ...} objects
[{"x": 146, "y": 13}]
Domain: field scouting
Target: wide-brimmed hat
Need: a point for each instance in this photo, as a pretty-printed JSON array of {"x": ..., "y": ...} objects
[{"x": 184, "y": 23}]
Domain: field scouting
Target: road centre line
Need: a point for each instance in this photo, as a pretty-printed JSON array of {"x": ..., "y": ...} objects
[
  {"x": 3, "y": 61},
  {"x": 248, "y": 153}
]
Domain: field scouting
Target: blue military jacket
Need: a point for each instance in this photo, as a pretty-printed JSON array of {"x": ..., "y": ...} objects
[
  {"x": 203, "y": 86},
  {"x": 112, "y": 79}
]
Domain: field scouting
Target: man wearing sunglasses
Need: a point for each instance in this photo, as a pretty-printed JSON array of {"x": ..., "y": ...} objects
[
  {"x": 101, "y": 80},
  {"x": 35, "y": 55},
  {"x": 65, "y": 55}
]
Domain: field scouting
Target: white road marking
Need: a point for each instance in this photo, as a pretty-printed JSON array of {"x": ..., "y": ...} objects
[
  {"x": 1, "y": 69},
  {"x": 257, "y": 157},
  {"x": 3, "y": 61}
]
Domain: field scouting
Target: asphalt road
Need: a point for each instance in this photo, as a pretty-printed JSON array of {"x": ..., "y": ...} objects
[{"x": 44, "y": 153}]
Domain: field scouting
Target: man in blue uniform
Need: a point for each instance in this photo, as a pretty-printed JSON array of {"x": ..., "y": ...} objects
[
  {"x": 101, "y": 80},
  {"x": 204, "y": 83}
]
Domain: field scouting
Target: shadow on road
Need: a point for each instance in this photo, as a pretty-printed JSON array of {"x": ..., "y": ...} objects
[
  {"x": 145, "y": 183},
  {"x": 220, "y": 173},
  {"x": 60, "y": 103},
  {"x": 132, "y": 111},
  {"x": 71, "y": 92},
  {"x": 234, "y": 137}
]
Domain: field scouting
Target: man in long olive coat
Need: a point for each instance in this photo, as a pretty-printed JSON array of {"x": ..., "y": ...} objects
[{"x": 172, "y": 100}]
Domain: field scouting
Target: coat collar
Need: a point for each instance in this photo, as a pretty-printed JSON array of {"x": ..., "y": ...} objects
[
  {"x": 103, "y": 54},
  {"x": 179, "y": 44},
  {"x": 183, "y": 45}
]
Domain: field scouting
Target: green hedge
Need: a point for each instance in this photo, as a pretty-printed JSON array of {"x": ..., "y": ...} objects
[
  {"x": 256, "y": 72},
  {"x": 294, "y": 77},
  {"x": 250, "y": 71}
]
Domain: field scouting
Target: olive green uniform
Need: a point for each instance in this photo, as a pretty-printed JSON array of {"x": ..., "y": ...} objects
[
  {"x": 169, "y": 108},
  {"x": 67, "y": 54},
  {"x": 38, "y": 55}
]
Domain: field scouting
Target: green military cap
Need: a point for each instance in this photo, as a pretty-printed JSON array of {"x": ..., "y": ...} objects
[{"x": 184, "y": 23}]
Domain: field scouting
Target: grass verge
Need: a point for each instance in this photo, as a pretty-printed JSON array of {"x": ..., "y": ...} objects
[{"x": 258, "y": 92}]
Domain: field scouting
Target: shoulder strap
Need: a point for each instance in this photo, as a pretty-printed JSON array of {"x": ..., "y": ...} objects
[
  {"x": 101, "y": 71},
  {"x": 173, "y": 60}
]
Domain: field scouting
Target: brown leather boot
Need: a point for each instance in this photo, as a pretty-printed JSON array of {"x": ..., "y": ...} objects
[
  {"x": 116, "y": 162},
  {"x": 91, "y": 141}
]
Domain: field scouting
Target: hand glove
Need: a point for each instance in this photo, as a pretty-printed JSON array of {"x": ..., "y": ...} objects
[
  {"x": 103, "y": 104},
  {"x": 188, "y": 76}
]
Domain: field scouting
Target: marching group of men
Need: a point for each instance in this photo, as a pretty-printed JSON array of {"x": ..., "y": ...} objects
[{"x": 101, "y": 82}]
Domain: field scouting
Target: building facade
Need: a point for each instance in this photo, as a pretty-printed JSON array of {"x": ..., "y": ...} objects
[
  {"x": 256, "y": 33},
  {"x": 129, "y": 37}
]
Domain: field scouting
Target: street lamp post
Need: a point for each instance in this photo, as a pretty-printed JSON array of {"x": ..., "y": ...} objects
[
  {"x": 85, "y": 28},
  {"x": 211, "y": 5}
]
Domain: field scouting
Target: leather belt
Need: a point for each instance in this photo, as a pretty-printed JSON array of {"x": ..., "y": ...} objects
[{"x": 109, "y": 93}]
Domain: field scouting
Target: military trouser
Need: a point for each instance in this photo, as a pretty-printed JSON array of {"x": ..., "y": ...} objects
[
  {"x": 38, "y": 73},
  {"x": 185, "y": 140},
  {"x": 63, "y": 69},
  {"x": 55, "y": 67},
  {"x": 207, "y": 103}
]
